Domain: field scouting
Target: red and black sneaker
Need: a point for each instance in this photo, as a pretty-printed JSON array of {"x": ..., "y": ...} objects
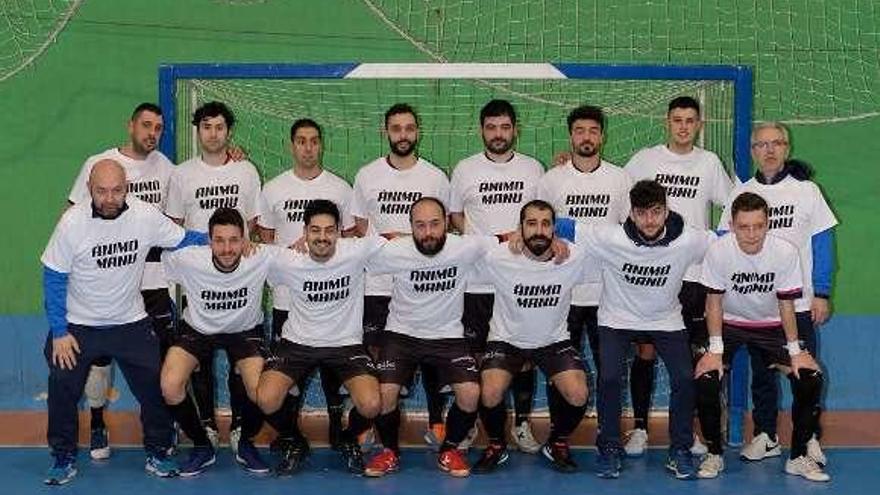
[
  {"x": 559, "y": 456},
  {"x": 495, "y": 455}
]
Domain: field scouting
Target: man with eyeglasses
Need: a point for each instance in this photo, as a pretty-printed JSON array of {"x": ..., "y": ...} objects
[{"x": 800, "y": 215}]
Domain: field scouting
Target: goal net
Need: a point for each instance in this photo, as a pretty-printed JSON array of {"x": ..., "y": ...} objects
[{"x": 28, "y": 28}]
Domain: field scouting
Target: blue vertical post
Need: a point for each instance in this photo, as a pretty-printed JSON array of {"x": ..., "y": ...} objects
[
  {"x": 738, "y": 384},
  {"x": 168, "y": 104}
]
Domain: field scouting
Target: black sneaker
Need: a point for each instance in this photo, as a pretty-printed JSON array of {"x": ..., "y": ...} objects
[
  {"x": 353, "y": 457},
  {"x": 495, "y": 455},
  {"x": 559, "y": 456},
  {"x": 293, "y": 454}
]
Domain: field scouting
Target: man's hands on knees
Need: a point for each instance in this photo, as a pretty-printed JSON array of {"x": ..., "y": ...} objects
[
  {"x": 64, "y": 351},
  {"x": 709, "y": 362}
]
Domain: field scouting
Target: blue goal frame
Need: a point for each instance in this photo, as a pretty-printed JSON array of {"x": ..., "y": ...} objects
[{"x": 741, "y": 76}]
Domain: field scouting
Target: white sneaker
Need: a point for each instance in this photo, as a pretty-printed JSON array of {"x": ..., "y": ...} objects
[
  {"x": 711, "y": 466},
  {"x": 524, "y": 438},
  {"x": 213, "y": 436},
  {"x": 806, "y": 467},
  {"x": 636, "y": 443},
  {"x": 465, "y": 444},
  {"x": 234, "y": 437},
  {"x": 699, "y": 448},
  {"x": 761, "y": 447},
  {"x": 814, "y": 452}
]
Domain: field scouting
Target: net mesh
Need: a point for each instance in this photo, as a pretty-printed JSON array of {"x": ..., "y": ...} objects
[{"x": 28, "y": 28}]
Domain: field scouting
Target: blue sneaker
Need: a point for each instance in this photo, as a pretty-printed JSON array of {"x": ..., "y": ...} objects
[
  {"x": 248, "y": 457},
  {"x": 99, "y": 444},
  {"x": 63, "y": 469},
  {"x": 608, "y": 462},
  {"x": 199, "y": 460},
  {"x": 681, "y": 463},
  {"x": 159, "y": 464}
]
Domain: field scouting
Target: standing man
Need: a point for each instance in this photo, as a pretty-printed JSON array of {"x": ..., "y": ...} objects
[
  {"x": 384, "y": 191},
  {"x": 694, "y": 179},
  {"x": 199, "y": 186},
  {"x": 430, "y": 271},
  {"x": 753, "y": 280},
  {"x": 488, "y": 191},
  {"x": 800, "y": 215},
  {"x": 642, "y": 264},
  {"x": 590, "y": 191},
  {"x": 323, "y": 329},
  {"x": 282, "y": 203},
  {"x": 224, "y": 311},
  {"x": 92, "y": 270},
  {"x": 532, "y": 296},
  {"x": 147, "y": 173}
]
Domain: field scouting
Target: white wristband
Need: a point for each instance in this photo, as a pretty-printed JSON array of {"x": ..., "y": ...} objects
[
  {"x": 794, "y": 348},
  {"x": 716, "y": 345}
]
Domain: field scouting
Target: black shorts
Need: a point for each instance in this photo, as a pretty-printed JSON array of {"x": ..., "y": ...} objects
[
  {"x": 399, "y": 355},
  {"x": 299, "y": 361},
  {"x": 770, "y": 342},
  {"x": 476, "y": 316},
  {"x": 551, "y": 359},
  {"x": 375, "y": 318},
  {"x": 238, "y": 346},
  {"x": 693, "y": 311}
]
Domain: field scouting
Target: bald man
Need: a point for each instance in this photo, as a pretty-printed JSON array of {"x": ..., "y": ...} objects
[{"x": 92, "y": 269}]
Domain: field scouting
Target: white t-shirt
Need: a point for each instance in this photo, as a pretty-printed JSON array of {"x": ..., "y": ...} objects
[
  {"x": 197, "y": 189},
  {"x": 491, "y": 194},
  {"x": 383, "y": 196},
  {"x": 327, "y": 299},
  {"x": 147, "y": 181},
  {"x": 282, "y": 203},
  {"x": 220, "y": 302},
  {"x": 532, "y": 298},
  {"x": 693, "y": 181},
  {"x": 640, "y": 284},
  {"x": 752, "y": 283},
  {"x": 598, "y": 197},
  {"x": 105, "y": 260},
  {"x": 427, "y": 298},
  {"x": 797, "y": 212}
]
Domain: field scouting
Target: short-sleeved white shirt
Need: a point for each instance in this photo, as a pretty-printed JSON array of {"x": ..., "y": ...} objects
[
  {"x": 383, "y": 196},
  {"x": 104, "y": 260},
  {"x": 197, "y": 189},
  {"x": 282, "y": 203},
  {"x": 597, "y": 197},
  {"x": 752, "y": 283}
]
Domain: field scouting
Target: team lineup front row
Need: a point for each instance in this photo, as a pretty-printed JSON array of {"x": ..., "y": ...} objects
[{"x": 634, "y": 266}]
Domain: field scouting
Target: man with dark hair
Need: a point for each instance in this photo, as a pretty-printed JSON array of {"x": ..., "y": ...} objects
[
  {"x": 532, "y": 296},
  {"x": 424, "y": 327},
  {"x": 799, "y": 214},
  {"x": 147, "y": 174},
  {"x": 225, "y": 292},
  {"x": 694, "y": 179},
  {"x": 199, "y": 186},
  {"x": 92, "y": 270},
  {"x": 589, "y": 190},
  {"x": 323, "y": 329},
  {"x": 753, "y": 280},
  {"x": 642, "y": 264},
  {"x": 282, "y": 203},
  {"x": 384, "y": 191},
  {"x": 488, "y": 192}
]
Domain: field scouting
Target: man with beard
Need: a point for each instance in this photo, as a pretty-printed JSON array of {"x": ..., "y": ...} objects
[
  {"x": 694, "y": 179},
  {"x": 384, "y": 191},
  {"x": 532, "y": 297},
  {"x": 424, "y": 327},
  {"x": 92, "y": 270},
  {"x": 225, "y": 293},
  {"x": 488, "y": 192},
  {"x": 199, "y": 186},
  {"x": 323, "y": 329},
  {"x": 799, "y": 214},
  {"x": 590, "y": 191},
  {"x": 642, "y": 264}
]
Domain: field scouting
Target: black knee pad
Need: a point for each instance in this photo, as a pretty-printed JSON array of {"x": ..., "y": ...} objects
[
  {"x": 809, "y": 386},
  {"x": 708, "y": 386}
]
